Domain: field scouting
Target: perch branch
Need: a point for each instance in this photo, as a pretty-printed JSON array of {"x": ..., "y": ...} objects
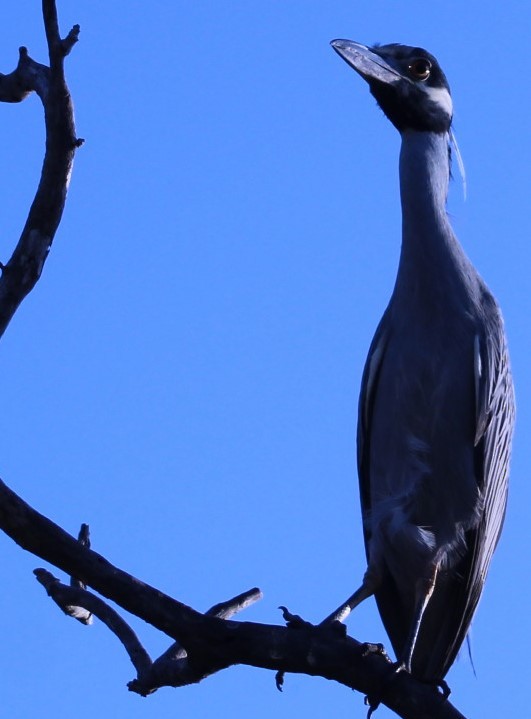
[{"x": 213, "y": 644}]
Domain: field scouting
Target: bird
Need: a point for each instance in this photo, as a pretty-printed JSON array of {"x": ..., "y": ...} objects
[{"x": 436, "y": 408}]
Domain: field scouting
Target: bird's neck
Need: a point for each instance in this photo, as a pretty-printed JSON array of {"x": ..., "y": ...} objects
[{"x": 427, "y": 237}]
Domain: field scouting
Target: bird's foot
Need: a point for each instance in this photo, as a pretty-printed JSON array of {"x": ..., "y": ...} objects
[
  {"x": 372, "y": 701},
  {"x": 445, "y": 689},
  {"x": 279, "y": 680},
  {"x": 294, "y": 621},
  {"x": 440, "y": 684},
  {"x": 370, "y": 648},
  {"x": 400, "y": 667}
]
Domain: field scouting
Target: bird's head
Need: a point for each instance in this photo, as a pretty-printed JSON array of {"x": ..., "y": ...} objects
[{"x": 407, "y": 83}]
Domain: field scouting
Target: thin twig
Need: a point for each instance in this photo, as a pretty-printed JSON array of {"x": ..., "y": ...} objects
[
  {"x": 226, "y": 610},
  {"x": 71, "y": 598}
]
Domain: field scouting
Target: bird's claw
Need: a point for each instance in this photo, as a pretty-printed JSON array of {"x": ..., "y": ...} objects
[
  {"x": 400, "y": 667},
  {"x": 293, "y": 621},
  {"x": 367, "y": 648},
  {"x": 440, "y": 684},
  {"x": 279, "y": 680},
  {"x": 373, "y": 705},
  {"x": 335, "y": 627},
  {"x": 370, "y": 648},
  {"x": 445, "y": 689}
]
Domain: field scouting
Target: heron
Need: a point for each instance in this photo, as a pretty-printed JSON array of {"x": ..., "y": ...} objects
[{"x": 436, "y": 407}]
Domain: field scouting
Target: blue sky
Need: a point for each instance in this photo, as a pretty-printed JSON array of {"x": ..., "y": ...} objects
[{"x": 184, "y": 378}]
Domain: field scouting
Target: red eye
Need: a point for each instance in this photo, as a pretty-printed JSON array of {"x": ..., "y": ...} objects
[{"x": 420, "y": 68}]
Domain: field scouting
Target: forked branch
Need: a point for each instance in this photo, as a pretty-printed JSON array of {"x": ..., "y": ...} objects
[{"x": 211, "y": 643}]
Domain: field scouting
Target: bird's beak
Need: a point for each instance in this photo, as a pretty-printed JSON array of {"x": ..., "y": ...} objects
[{"x": 366, "y": 62}]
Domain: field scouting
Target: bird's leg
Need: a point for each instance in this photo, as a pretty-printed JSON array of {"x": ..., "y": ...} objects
[
  {"x": 367, "y": 589},
  {"x": 423, "y": 591}
]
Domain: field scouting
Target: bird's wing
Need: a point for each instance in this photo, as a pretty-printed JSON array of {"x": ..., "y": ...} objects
[{"x": 494, "y": 428}]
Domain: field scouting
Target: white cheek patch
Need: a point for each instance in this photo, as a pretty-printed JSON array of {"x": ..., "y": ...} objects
[{"x": 441, "y": 97}]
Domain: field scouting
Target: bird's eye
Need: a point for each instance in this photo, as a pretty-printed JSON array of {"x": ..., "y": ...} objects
[{"x": 420, "y": 68}]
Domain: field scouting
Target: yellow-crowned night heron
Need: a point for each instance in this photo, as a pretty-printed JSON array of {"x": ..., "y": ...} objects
[{"x": 436, "y": 409}]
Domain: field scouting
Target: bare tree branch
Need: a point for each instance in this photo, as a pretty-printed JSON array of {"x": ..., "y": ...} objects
[
  {"x": 69, "y": 599},
  {"x": 213, "y": 644},
  {"x": 24, "y": 268},
  {"x": 172, "y": 667}
]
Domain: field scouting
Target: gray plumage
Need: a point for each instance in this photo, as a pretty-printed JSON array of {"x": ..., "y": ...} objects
[{"x": 436, "y": 409}]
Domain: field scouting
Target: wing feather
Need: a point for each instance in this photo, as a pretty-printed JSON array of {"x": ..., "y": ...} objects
[
  {"x": 369, "y": 383},
  {"x": 458, "y": 597}
]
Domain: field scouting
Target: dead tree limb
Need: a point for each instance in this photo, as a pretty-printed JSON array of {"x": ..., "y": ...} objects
[
  {"x": 21, "y": 272},
  {"x": 211, "y": 643},
  {"x": 172, "y": 668},
  {"x": 202, "y": 643}
]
